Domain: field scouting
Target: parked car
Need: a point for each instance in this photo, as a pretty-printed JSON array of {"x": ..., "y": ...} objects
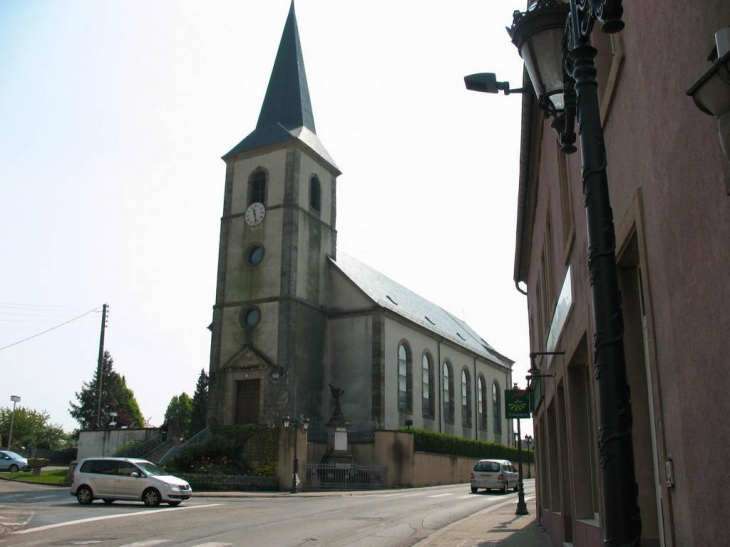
[
  {"x": 133, "y": 479},
  {"x": 494, "y": 475},
  {"x": 10, "y": 461}
]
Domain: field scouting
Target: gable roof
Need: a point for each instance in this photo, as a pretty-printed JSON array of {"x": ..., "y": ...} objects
[
  {"x": 286, "y": 113},
  {"x": 402, "y": 301}
]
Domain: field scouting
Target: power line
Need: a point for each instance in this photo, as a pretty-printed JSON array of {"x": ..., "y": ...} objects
[{"x": 49, "y": 330}]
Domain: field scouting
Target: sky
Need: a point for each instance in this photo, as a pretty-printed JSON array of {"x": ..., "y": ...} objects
[{"x": 114, "y": 116}]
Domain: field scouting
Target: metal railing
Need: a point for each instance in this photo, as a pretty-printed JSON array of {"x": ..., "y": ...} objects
[
  {"x": 345, "y": 477},
  {"x": 139, "y": 450},
  {"x": 198, "y": 438}
]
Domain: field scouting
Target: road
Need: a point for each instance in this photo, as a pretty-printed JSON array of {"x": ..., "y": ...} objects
[{"x": 35, "y": 515}]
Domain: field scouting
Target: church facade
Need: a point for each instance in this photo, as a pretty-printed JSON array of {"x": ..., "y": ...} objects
[{"x": 293, "y": 315}]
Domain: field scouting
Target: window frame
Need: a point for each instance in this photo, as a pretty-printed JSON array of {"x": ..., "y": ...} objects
[
  {"x": 428, "y": 395},
  {"x": 404, "y": 370}
]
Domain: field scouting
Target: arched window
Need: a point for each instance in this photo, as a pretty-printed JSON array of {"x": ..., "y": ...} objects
[
  {"x": 405, "y": 379},
  {"x": 482, "y": 402},
  {"x": 448, "y": 393},
  {"x": 428, "y": 386},
  {"x": 315, "y": 194},
  {"x": 257, "y": 187},
  {"x": 465, "y": 398},
  {"x": 497, "y": 408}
]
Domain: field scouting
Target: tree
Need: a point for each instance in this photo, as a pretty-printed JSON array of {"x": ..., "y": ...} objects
[
  {"x": 115, "y": 397},
  {"x": 31, "y": 429},
  {"x": 180, "y": 406},
  {"x": 199, "y": 413}
]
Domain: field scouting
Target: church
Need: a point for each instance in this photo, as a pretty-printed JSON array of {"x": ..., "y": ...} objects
[{"x": 294, "y": 316}]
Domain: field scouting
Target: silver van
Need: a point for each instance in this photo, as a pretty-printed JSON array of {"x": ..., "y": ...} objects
[
  {"x": 494, "y": 474},
  {"x": 112, "y": 479}
]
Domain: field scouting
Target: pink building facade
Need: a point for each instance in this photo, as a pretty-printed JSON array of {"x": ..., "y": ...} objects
[{"x": 670, "y": 192}]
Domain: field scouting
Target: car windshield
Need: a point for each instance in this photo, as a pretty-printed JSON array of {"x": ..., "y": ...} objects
[
  {"x": 12, "y": 455},
  {"x": 151, "y": 469}
]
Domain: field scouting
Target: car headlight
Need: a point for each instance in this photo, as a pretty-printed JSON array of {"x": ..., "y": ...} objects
[{"x": 173, "y": 487}]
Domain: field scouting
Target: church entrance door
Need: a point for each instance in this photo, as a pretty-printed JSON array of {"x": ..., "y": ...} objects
[{"x": 248, "y": 394}]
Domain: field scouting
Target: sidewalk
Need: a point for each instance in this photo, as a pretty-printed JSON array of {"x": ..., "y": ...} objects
[{"x": 495, "y": 526}]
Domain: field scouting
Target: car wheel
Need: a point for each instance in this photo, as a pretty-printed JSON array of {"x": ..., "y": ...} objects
[
  {"x": 174, "y": 503},
  {"x": 14, "y": 468},
  {"x": 505, "y": 487},
  {"x": 108, "y": 501},
  {"x": 151, "y": 497},
  {"x": 474, "y": 489},
  {"x": 84, "y": 495}
]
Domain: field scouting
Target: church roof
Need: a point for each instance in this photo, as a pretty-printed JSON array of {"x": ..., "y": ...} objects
[
  {"x": 404, "y": 302},
  {"x": 286, "y": 112}
]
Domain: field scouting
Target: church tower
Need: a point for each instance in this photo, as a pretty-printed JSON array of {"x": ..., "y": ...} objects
[{"x": 277, "y": 232}]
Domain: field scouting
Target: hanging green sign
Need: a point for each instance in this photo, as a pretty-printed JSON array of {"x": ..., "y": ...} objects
[{"x": 516, "y": 403}]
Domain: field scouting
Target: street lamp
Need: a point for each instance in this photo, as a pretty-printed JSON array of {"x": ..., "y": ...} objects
[
  {"x": 565, "y": 81},
  {"x": 296, "y": 426},
  {"x": 15, "y": 400},
  {"x": 528, "y": 445},
  {"x": 521, "y": 505}
]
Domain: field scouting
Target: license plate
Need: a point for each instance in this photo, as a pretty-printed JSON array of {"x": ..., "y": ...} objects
[{"x": 486, "y": 476}]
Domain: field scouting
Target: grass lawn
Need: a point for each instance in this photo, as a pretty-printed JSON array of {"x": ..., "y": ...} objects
[{"x": 55, "y": 477}]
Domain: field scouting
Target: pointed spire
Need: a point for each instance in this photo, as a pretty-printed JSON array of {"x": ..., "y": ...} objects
[
  {"x": 287, "y": 97},
  {"x": 286, "y": 113}
]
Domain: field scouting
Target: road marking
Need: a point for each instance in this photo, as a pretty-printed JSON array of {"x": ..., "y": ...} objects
[
  {"x": 108, "y": 517},
  {"x": 147, "y": 543},
  {"x": 440, "y": 495}
]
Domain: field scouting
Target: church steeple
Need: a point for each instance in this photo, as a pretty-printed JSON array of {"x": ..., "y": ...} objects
[
  {"x": 287, "y": 97},
  {"x": 286, "y": 113}
]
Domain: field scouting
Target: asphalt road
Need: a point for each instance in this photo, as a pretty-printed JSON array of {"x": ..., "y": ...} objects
[{"x": 36, "y": 515}]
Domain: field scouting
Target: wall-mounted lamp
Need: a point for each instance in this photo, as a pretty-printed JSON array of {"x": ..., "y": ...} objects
[{"x": 711, "y": 93}]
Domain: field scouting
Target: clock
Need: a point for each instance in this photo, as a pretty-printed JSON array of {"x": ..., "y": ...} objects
[{"x": 255, "y": 214}]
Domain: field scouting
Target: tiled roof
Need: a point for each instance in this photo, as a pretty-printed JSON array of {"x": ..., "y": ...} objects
[{"x": 404, "y": 302}]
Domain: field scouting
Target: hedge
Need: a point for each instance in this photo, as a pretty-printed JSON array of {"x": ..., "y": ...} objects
[{"x": 441, "y": 443}]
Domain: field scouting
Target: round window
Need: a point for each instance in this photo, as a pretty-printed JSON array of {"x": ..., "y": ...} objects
[
  {"x": 255, "y": 254},
  {"x": 251, "y": 317}
]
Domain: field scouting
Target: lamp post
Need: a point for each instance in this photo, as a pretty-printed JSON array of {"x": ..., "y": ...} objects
[
  {"x": 528, "y": 444},
  {"x": 553, "y": 39},
  {"x": 296, "y": 426},
  {"x": 15, "y": 400},
  {"x": 521, "y": 505}
]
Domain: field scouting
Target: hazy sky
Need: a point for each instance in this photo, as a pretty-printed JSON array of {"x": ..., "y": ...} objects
[{"x": 114, "y": 115}]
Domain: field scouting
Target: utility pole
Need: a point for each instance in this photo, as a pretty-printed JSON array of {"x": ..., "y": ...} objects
[{"x": 99, "y": 366}]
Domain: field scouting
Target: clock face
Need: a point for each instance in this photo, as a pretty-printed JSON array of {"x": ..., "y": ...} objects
[{"x": 255, "y": 214}]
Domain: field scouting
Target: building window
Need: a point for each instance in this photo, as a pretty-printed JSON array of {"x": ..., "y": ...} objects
[
  {"x": 250, "y": 318},
  {"x": 497, "y": 408},
  {"x": 482, "y": 402},
  {"x": 257, "y": 187},
  {"x": 465, "y": 398},
  {"x": 254, "y": 254},
  {"x": 315, "y": 194},
  {"x": 405, "y": 379},
  {"x": 448, "y": 393},
  {"x": 428, "y": 387}
]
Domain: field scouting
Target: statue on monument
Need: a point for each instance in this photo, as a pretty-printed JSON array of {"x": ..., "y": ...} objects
[{"x": 337, "y": 416}]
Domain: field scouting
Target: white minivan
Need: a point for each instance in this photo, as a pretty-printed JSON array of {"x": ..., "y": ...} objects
[
  {"x": 112, "y": 479},
  {"x": 494, "y": 474}
]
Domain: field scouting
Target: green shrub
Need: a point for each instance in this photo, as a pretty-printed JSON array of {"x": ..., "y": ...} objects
[{"x": 223, "y": 452}]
